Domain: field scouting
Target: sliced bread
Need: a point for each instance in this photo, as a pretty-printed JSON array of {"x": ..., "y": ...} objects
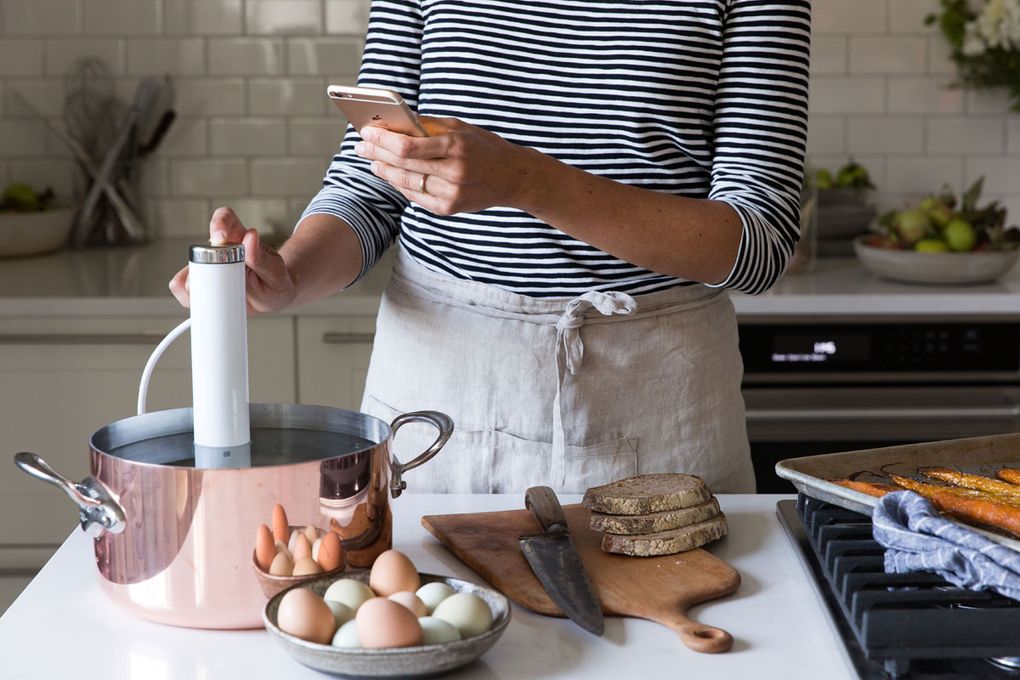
[
  {"x": 655, "y": 522},
  {"x": 645, "y": 494},
  {"x": 667, "y": 542}
]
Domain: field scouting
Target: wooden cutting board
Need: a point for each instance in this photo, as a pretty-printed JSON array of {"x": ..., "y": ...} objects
[{"x": 659, "y": 589}]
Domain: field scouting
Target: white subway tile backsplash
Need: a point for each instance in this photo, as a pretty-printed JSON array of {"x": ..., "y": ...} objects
[
  {"x": 154, "y": 178},
  {"x": 987, "y": 101},
  {"x": 45, "y": 96},
  {"x": 123, "y": 17},
  {"x": 286, "y": 176},
  {"x": 829, "y": 55},
  {"x": 879, "y": 134},
  {"x": 346, "y": 17},
  {"x": 210, "y": 96},
  {"x": 1012, "y": 206},
  {"x": 848, "y": 16},
  {"x": 148, "y": 56},
  {"x": 1001, "y": 173},
  {"x": 1013, "y": 125},
  {"x": 186, "y": 137},
  {"x": 319, "y": 137},
  {"x": 907, "y": 16},
  {"x": 247, "y": 137},
  {"x": 209, "y": 177},
  {"x": 847, "y": 95},
  {"x": 203, "y": 17},
  {"x": 179, "y": 217},
  {"x": 41, "y": 17},
  {"x": 826, "y": 135},
  {"x": 287, "y": 96},
  {"x": 926, "y": 95},
  {"x": 966, "y": 134},
  {"x": 324, "y": 56},
  {"x": 939, "y": 61},
  {"x": 293, "y": 17},
  {"x": 920, "y": 174},
  {"x": 246, "y": 56},
  {"x": 22, "y": 137},
  {"x": 61, "y": 54},
  {"x": 267, "y": 215},
  {"x": 21, "y": 57},
  {"x": 893, "y": 54}
]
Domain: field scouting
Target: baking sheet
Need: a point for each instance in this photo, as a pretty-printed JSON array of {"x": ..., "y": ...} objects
[{"x": 978, "y": 455}]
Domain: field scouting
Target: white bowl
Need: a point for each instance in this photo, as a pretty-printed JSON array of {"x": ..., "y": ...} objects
[
  {"x": 34, "y": 233},
  {"x": 911, "y": 266}
]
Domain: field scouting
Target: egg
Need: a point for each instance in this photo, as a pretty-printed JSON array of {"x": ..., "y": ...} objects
[
  {"x": 302, "y": 548},
  {"x": 411, "y": 601},
  {"x": 392, "y": 573},
  {"x": 315, "y": 549},
  {"x": 466, "y": 612},
  {"x": 306, "y": 566},
  {"x": 281, "y": 548},
  {"x": 304, "y": 614},
  {"x": 281, "y": 530},
  {"x": 434, "y": 593},
  {"x": 265, "y": 551},
  {"x": 311, "y": 534},
  {"x": 341, "y": 612},
  {"x": 347, "y": 635},
  {"x": 293, "y": 540},
  {"x": 281, "y": 566},
  {"x": 383, "y": 624},
  {"x": 349, "y": 592},
  {"x": 330, "y": 552},
  {"x": 435, "y": 631}
]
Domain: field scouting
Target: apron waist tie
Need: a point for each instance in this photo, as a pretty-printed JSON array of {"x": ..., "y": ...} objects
[{"x": 570, "y": 354}]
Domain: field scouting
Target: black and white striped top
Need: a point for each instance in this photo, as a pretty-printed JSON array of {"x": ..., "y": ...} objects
[{"x": 701, "y": 98}]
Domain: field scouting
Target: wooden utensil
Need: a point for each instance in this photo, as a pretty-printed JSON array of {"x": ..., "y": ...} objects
[{"x": 659, "y": 589}]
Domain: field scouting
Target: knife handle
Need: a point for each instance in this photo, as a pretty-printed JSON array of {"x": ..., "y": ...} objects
[{"x": 543, "y": 504}]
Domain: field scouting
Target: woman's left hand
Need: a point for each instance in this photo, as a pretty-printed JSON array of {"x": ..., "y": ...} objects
[{"x": 458, "y": 168}]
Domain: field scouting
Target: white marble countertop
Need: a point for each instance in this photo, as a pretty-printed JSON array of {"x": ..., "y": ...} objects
[
  {"x": 132, "y": 281},
  {"x": 62, "y": 625}
]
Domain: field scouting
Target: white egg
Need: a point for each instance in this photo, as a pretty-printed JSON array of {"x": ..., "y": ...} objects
[
  {"x": 315, "y": 549},
  {"x": 434, "y": 631},
  {"x": 466, "y": 612},
  {"x": 347, "y": 635},
  {"x": 434, "y": 593},
  {"x": 341, "y": 612},
  {"x": 349, "y": 592}
]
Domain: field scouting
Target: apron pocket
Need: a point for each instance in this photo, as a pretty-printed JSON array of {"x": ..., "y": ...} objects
[
  {"x": 462, "y": 466},
  {"x": 521, "y": 463},
  {"x": 597, "y": 464}
]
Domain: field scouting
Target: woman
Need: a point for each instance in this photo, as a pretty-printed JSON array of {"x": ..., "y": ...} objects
[{"x": 596, "y": 175}]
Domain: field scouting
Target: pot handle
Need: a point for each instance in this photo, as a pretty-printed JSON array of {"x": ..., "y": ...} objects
[
  {"x": 97, "y": 508},
  {"x": 440, "y": 421}
]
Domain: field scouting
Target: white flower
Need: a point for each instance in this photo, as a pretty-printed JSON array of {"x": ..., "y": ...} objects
[{"x": 996, "y": 26}]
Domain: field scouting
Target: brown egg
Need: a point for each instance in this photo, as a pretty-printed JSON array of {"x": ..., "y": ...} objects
[
  {"x": 282, "y": 565},
  {"x": 304, "y": 614},
  {"x": 302, "y": 548},
  {"x": 330, "y": 552},
  {"x": 306, "y": 566},
  {"x": 265, "y": 551},
  {"x": 311, "y": 534},
  {"x": 281, "y": 530},
  {"x": 383, "y": 623},
  {"x": 411, "y": 601},
  {"x": 392, "y": 573}
]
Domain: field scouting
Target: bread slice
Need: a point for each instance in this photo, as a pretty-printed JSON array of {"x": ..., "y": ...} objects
[
  {"x": 655, "y": 522},
  {"x": 667, "y": 542},
  {"x": 645, "y": 494}
]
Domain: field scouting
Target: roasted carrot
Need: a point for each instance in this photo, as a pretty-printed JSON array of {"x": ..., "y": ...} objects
[
  {"x": 1011, "y": 475},
  {"x": 871, "y": 488},
  {"x": 973, "y": 506},
  {"x": 993, "y": 486}
]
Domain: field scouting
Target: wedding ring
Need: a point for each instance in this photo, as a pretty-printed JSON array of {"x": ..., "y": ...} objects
[{"x": 421, "y": 184}]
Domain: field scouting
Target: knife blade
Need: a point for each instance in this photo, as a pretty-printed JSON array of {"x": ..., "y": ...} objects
[{"x": 557, "y": 564}]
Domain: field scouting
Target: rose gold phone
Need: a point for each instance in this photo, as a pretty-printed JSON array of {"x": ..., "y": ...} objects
[{"x": 375, "y": 106}]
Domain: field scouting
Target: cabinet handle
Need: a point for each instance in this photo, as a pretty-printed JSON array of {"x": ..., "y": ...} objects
[
  {"x": 348, "y": 338},
  {"x": 81, "y": 339}
]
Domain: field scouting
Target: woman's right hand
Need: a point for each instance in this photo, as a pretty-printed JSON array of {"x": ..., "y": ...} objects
[{"x": 270, "y": 285}]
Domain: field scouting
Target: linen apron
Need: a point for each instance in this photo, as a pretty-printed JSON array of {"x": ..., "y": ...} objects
[{"x": 569, "y": 393}]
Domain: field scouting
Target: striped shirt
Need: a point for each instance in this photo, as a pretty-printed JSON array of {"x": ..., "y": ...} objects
[{"x": 697, "y": 98}]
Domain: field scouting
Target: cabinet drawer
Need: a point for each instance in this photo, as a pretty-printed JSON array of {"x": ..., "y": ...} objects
[{"x": 333, "y": 356}]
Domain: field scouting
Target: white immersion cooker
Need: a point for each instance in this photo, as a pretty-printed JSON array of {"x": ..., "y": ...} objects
[{"x": 175, "y": 497}]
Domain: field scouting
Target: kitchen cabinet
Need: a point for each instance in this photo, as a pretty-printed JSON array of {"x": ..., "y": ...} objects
[{"x": 332, "y": 359}]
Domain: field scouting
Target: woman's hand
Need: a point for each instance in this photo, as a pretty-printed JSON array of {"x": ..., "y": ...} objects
[
  {"x": 269, "y": 281},
  {"x": 466, "y": 168}
]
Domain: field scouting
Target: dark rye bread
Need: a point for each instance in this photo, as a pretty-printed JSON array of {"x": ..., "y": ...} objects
[
  {"x": 655, "y": 522},
  {"x": 667, "y": 542},
  {"x": 645, "y": 494}
]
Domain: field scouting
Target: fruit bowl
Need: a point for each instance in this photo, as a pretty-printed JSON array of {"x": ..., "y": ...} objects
[
  {"x": 947, "y": 268},
  {"x": 34, "y": 233}
]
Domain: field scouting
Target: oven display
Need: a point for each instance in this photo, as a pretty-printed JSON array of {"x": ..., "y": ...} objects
[{"x": 815, "y": 348}]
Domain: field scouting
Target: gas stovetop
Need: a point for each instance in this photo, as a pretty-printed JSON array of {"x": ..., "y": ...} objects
[{"x": 914, "y": 626}]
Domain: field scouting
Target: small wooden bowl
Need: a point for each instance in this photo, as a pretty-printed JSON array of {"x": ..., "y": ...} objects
[{"x": 271, "y": 585}]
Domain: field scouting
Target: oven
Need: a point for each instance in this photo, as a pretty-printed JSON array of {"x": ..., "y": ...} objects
[{"x": 819, "y": 385}]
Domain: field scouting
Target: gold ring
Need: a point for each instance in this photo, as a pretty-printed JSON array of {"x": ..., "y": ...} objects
[{"x": 421, "y": 184}]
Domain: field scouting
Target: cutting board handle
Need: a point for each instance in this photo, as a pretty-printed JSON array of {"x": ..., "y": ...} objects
[{"x": 702, "y": 638}]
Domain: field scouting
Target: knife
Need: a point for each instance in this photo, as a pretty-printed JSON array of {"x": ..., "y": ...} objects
[{"x": 555, "y": 560}]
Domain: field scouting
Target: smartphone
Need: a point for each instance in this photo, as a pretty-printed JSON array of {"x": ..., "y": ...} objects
[{"x": 375, "y": 106}]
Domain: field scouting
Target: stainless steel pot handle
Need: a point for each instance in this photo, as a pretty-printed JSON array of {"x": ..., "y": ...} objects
[
  {"x": 97, "y": 508},
  {"x": 440, "y": 421}
]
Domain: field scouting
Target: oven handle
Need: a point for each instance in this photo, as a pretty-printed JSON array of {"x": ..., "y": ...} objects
[{"x": 997, "y": 412}]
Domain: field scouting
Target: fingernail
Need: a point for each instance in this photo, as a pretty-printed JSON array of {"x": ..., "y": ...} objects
[
  {"x": 359, "y": 149},
  {"x": 218, "y": 238},
  {"x": 367, "y": 133},
  {"x": 375, "y": 167}
]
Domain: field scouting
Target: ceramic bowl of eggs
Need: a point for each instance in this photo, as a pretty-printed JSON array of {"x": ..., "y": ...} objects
[
  {"x": 387, "y": 622},
  {"x": 287, "y": 555}
]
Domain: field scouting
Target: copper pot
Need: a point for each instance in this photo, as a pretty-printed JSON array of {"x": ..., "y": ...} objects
[{"x": 173, "y": 542}]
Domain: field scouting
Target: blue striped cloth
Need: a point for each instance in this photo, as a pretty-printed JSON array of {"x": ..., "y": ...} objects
[{"x": 918, "y": 538}]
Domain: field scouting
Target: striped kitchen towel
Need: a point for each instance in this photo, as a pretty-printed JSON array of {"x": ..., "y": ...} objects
[{"x": 918, "y": 538}]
